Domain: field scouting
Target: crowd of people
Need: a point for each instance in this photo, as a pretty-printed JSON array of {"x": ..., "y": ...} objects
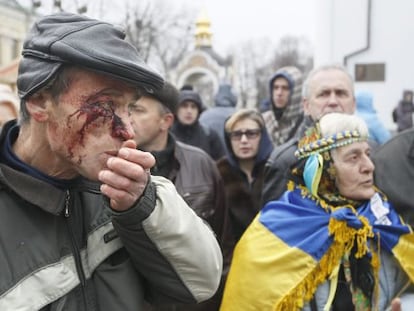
[{"x": 121, "y": 191}]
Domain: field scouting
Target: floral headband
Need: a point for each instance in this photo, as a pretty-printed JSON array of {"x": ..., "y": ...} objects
[
  {"x": 327, "y": 143},
  {"x": 312, "y": 145}
]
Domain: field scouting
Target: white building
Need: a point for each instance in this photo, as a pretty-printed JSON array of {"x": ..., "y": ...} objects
[{"x": 374, "y": 39}]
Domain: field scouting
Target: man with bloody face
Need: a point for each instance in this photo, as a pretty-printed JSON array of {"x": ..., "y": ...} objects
[{"x": 83, "y": 224}]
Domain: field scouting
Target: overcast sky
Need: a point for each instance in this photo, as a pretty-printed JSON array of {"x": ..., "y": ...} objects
[{"x": 232, "y": 21}]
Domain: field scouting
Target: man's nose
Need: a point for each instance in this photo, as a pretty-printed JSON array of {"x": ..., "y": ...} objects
[
  {"x": 333, "y": 99},
  {"x": 122, "y": 126}
]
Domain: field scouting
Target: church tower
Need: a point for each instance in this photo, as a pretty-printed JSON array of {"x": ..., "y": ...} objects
[
  {"x": 203, "y": 33},
  {"x": 203, "y": 68}
]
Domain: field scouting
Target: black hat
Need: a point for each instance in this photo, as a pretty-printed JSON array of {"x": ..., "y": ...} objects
[
  {"x": 193, "y": 96},
  {"x": 66, "y": 38},
  {"x": 168, "y": 96}
]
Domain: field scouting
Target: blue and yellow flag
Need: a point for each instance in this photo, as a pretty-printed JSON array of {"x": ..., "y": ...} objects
[{"x": 294, "y": 244}]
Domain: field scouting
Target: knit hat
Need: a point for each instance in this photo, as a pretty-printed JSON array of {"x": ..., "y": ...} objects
[
  {"x": 65, "y": 38},
  {"x": 189, "y": 95}
]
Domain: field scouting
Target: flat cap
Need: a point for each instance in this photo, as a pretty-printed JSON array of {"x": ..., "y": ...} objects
[{"x": 65, "y": 38}]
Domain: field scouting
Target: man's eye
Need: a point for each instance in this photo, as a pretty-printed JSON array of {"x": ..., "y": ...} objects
[{"x": 132, "y": 108}]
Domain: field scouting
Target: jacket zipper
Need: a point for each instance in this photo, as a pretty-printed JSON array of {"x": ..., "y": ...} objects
[{"x": 76, "y": 252}]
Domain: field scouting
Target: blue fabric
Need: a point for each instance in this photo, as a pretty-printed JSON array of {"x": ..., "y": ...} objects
[
  {"x": 365, "y": 109},
  {"x": 284, "y": 218}
]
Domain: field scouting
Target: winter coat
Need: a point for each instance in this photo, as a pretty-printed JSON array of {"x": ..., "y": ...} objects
[
  {"x": 403, "y": 114},
  {"x": 279, "y": 164},
  {"x": 283, "y": 124},
  {"x": 365, "y": 109},
  {"x": 68, "y": 250},
  {"x": 225, "y": 105},
  {"x": 242, "y": 197},
  {"x": 198, "y": 181},
  {"x": 199, "y": 136},
  {"x": 394, "y": 172}
]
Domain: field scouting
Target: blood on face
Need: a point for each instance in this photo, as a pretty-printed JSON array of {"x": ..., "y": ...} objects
[{"x": 98, "y": 114}]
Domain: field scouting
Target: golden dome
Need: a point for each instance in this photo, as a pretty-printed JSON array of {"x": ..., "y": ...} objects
[{"x": 203, "y": 33}]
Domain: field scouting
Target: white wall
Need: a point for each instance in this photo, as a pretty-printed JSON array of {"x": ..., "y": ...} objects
[{"x": 341, "y": 29}]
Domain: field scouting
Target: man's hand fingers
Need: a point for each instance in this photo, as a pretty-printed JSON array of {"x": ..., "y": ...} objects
[{"x": 396, "y": 305}]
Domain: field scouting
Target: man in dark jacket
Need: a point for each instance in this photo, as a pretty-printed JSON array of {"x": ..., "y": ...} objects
[
  {"x": 193, "y": 172},
  {"x": 394, "y": 172},
  {"x": 225, "y": 105},
  {"x": 327, "y": 89},
  {"x": 189, "y": 130},
  {"x": 403, "y": 113},
  {"x": 83, "y": 224}
]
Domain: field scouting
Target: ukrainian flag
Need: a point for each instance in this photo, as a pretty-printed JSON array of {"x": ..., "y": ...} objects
[{"x": 294, "y": 245}]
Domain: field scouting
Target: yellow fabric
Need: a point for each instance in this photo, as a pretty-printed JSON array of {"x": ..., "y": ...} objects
[
  {"x": 404, "y": 252},
  {"x": 276, "y": 283},
  {"x": 332, "y": 290}
]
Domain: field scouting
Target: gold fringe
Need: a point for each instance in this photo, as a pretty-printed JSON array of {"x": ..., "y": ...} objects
[
  {"x": 344, "y": 239},
  {"x": 307, "y": 288}
]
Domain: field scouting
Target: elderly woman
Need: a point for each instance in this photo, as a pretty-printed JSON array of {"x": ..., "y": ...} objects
[{"x": 332, "y": 241}]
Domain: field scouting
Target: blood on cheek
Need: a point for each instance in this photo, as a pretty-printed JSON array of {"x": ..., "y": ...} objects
[{"x": 97, "y": 115}]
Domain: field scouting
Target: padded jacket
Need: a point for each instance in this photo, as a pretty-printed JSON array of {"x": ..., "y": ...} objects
[{"x": 67, "y": 250}]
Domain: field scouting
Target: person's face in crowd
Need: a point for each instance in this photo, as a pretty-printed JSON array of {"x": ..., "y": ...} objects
[
  {"x": 6, "y": 112},
  {"x": 150, "y": 123},
  {"x": 329, "y": 91},
  {"x": 245, "y": 139},
  {"x": 354, "y": 171},
  {"x": 281, "y": 92},
  {"x": 408, "y": 96},
  {"x": 187, "y": 112},
  {"x": 87, "y": 126}
]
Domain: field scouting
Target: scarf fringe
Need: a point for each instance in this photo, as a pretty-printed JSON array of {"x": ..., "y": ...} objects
[
  {"x": 305, "y": 290},
  {"x": 344, "y": 239}
]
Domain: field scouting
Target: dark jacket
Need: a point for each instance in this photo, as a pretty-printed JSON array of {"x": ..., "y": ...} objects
[
  {"x": 394, "y": 172},
  {"x": 199, "y": 136},
  {"x": 403, "y": 113},
  {"x": 225, "y": 105},
  {"x": 67, "y": 250},
  {"x": 242, "y": 197},
  {"x": 197, "y": 180},
  {"x": 279, "y": 164}
]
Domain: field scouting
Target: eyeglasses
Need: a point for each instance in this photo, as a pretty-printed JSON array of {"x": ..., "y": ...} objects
[{"x": 250, "y": 134}]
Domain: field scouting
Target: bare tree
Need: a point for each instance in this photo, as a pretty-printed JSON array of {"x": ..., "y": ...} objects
[
  {"x": 293, "y": 51},
  {"x": 252, "y": 59},
  {"x": 161, "y": 35}
]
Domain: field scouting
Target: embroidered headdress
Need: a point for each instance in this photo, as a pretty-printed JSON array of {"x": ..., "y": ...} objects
[{"x": 318, "y": 173}]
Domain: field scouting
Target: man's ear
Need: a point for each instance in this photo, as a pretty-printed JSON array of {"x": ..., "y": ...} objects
[
  {"x": 305, "y": 104},
  {"x": 168, "y": 120},
  {"x": 36, "y": 105}
]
